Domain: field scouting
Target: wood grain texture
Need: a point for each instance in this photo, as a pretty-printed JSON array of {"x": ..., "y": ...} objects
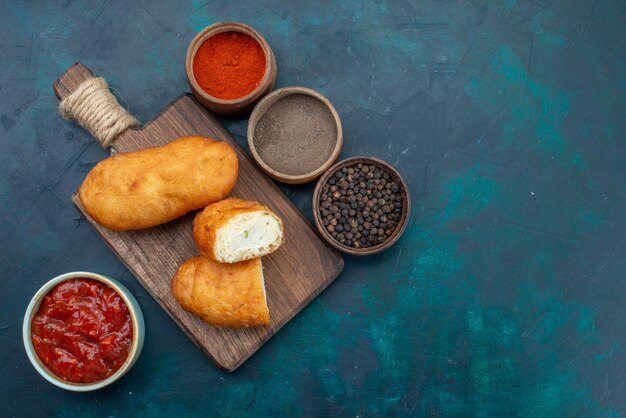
[{"x": 294, "y": 274}]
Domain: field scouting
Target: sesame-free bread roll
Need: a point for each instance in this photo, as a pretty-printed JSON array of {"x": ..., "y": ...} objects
[
  {"x": 231, "y": 295},
  {"x": 234, "y": 230},
  {"x": 140, "y": 189}
]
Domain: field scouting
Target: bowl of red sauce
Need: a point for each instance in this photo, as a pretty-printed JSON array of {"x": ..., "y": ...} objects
[{"x": 83, "y": 331}]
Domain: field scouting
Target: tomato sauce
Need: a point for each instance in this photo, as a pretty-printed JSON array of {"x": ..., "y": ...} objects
[{"x": 83, "y": 331}]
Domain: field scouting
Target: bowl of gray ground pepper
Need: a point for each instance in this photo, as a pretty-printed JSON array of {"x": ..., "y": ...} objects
[
  {"x": 361, "y": 205},
  {"x": 294, "y": 134}
]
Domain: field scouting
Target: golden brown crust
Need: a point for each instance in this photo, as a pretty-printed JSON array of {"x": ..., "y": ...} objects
[
  {"x": 222, "y": 294},
  {"x": 182, "y": 285},
  {"x": 213, "y": 217},
  {"x": 152, "y": 186}
]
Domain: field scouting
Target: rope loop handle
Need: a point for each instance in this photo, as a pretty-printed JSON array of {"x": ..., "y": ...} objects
[{"x": 95, "y": 108}]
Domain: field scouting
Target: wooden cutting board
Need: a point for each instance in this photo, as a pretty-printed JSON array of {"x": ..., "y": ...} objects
[{"x": 294, "y": 275}]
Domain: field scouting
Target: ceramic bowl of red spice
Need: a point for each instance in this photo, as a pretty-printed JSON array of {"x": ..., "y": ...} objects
[
  {"x": 230, "y": 66},
  {"x": 83, "y": 331}
]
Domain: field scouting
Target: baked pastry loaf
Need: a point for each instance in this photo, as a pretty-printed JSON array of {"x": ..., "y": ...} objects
[
  {"x": 231, "y": 295},
  {"x": 234, "y": 230},
  {"x": 140, "y": 189}
]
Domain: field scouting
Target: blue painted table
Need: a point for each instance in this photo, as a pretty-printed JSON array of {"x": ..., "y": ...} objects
[{"x": 506, "y": 294}]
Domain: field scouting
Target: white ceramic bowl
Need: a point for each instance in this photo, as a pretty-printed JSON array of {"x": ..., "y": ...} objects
[{"x": 138, "y": 331}]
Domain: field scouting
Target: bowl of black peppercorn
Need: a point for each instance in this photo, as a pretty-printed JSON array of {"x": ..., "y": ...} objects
[{"x": 361, "y": 205}]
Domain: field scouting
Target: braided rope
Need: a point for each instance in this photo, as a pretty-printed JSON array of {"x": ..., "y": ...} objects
[{"x": 95, "y": 108}]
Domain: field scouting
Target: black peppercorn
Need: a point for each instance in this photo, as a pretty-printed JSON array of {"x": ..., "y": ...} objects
[{"x": 360, "y": 205}]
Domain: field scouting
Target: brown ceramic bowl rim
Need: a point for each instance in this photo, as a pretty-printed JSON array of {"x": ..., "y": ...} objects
[
  {"x": 212, "y": 30},
  {"x": 264, "y": 105},
  {"x": 404, "y": 218}
]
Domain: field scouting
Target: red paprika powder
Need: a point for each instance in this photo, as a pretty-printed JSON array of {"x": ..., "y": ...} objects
[{"x": 229, "y": 65}]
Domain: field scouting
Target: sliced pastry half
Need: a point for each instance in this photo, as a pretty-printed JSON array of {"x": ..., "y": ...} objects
[
  {"x": 234, "y": 230},
  {"x": 231, "y": 295}
]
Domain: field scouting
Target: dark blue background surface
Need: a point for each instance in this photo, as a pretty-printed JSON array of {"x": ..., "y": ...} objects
[{"x": 506, "y": 294}]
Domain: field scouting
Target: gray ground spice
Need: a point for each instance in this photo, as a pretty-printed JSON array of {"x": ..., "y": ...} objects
[{"x": 296, "y": 135}]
